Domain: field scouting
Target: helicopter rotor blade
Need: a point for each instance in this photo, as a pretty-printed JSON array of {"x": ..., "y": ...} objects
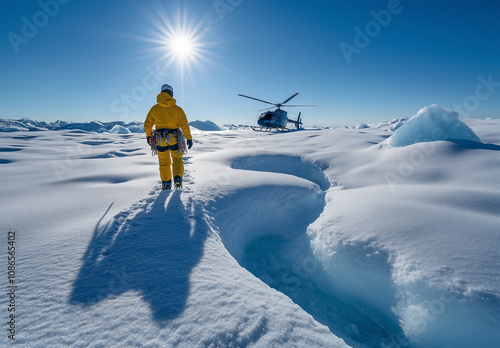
[
  {"x": 292, "y": 106},
  {"x": 246, "y": 96},
  {"x": 293, "y": 96},
  {"x": 272, "y": 107}
]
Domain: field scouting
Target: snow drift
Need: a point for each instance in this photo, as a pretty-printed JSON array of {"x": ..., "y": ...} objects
[
  {"x": 432, "y": 123},
  {"x": 118, "y": 129}
]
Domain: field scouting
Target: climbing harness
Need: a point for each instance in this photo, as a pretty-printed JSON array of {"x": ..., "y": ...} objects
[{"x": 160, "y": 135}]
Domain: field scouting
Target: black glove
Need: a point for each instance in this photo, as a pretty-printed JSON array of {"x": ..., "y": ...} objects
[
  {"x": 147, "y": 139},
  {"x": 190, "y": 143}
]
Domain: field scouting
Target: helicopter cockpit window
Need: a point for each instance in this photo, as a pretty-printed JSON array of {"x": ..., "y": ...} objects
[{"x": 268, "y": 117}]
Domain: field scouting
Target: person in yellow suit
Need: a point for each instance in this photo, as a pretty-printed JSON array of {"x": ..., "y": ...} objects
[{"x": 167, "y": 118}]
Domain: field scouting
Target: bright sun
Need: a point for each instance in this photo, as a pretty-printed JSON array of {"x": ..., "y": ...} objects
[{"x": 182, "y": 46}]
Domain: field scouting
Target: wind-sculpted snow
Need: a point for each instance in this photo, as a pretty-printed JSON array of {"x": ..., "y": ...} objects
[
  {"x": 173, "y": 233},
  {"x": 264, "y": 228},
  {"x": 303, "y": 239},
  {"x": 118, "y": 129},
  {"x": 432, "y": 123},
  {"x": 286, "y": 165},
  {"x": 10, "y": 149}
]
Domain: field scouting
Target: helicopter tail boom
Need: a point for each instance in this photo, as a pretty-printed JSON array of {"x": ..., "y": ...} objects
[{"x": 297, "y": 123}]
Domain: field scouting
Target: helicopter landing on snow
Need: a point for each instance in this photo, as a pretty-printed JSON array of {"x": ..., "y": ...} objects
[{"x": 277, "y": 119}]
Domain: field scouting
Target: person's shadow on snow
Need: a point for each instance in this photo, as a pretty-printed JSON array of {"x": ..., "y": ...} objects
[{"x": 150, "y": 249}]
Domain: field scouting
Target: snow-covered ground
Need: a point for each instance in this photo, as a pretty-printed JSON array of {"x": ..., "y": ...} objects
[{"x": 314, "y": 238}]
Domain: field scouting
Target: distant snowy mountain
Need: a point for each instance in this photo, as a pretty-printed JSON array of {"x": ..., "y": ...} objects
[
  {"x": 205, "y": 125},
  {"x": 24, "y": 124},
  {"x": 117, "y": 127},
  {"x": 120, "y": 127}
]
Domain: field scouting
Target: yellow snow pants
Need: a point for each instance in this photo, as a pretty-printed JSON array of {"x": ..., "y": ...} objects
[{"x": 168, "y": 158}]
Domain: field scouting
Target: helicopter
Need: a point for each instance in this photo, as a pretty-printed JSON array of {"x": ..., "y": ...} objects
[{"x": 277, "y": 119}]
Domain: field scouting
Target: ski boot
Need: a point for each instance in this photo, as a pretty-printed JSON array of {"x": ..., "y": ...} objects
[
  {"x": 177, "y": 182},
  {"x": 166, "y": 185}
]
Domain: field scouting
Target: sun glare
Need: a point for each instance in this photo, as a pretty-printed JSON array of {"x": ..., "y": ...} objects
[
  {"x": 180, "y": 42},
  {"x": 181, "y": 46}
]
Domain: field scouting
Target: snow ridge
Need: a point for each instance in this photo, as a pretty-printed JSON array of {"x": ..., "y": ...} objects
[{"x": 117, "y": 127}]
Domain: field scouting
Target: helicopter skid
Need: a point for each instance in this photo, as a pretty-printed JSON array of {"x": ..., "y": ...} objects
[{"x": 269, "y": 129}]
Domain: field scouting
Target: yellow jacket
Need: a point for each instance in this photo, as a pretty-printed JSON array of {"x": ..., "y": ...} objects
[{"x": 166, "y": 114}]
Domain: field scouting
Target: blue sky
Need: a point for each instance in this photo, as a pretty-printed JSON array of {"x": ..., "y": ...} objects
[{"x": 359, "y": 61}]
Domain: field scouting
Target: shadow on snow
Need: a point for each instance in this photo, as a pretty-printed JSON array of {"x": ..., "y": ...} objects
[
  {"x": 150, "y": 249},
  {"x": 472, "y": 145}
]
